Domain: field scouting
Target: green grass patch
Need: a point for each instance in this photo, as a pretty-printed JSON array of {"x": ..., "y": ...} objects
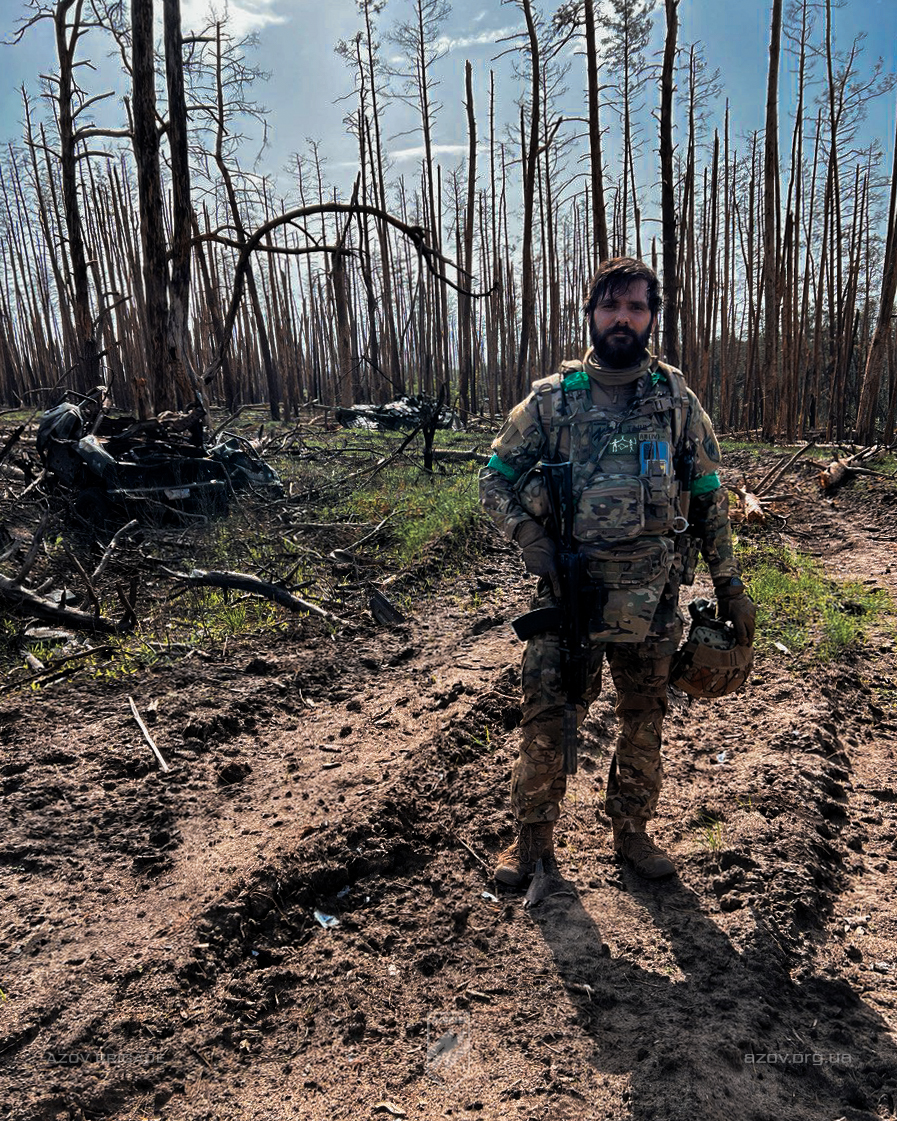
[
  {"x": 799, "y": 607},
  {"x": 753, "y": 446},
  {"x": 422, "y": 509}
]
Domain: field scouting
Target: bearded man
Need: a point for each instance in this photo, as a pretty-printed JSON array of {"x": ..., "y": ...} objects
[{"x": 641, "y": 455}]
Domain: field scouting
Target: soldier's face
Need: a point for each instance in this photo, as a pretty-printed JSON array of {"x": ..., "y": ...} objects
[{"x": 621, "y": 326}]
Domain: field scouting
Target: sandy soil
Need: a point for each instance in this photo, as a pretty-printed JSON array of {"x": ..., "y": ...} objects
[{"x": 161, "y": 954}]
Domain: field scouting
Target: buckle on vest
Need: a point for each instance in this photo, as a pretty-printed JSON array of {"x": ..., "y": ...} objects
[{"x": 680, "y": 524}]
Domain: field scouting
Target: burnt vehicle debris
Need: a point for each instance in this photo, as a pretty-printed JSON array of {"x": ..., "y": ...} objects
[
  {"x": 405, "y": 412},
  {"x": 154, "y": 470}
]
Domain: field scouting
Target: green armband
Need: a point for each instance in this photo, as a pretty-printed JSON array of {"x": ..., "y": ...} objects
[
  {"x": 578, "y": 379},
  {"x": 502, "y": 468},
  {"x": 705, "y": 484}
]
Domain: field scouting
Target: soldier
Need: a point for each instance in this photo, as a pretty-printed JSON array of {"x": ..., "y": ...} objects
[{"x": 643, "y": 454}]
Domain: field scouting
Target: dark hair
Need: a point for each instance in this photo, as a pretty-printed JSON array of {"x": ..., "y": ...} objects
[{"x": 614, "y": 276}]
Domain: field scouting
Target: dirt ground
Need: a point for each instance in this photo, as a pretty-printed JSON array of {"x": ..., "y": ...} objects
[{"x": 162, "y": 957}]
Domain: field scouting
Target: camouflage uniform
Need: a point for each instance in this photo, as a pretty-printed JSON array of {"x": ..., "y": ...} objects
[{"x": 626, "y": 525}]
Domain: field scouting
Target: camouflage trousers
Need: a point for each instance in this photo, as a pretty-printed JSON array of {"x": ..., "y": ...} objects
[{"x": 640, "y": 672}]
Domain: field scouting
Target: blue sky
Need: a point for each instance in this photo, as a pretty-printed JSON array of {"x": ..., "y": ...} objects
[{"x": 296, "y": 44}]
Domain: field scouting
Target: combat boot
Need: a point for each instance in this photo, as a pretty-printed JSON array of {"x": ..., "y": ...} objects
[
  {"x": 518, "y": 862},
  {"x": 634, "y": 845}
]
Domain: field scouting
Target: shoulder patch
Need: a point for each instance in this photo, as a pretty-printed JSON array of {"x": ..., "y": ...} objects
[{"x": 576, "y": 379}]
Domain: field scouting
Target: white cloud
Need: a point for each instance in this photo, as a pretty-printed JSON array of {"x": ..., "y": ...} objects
[
  {"x": 446, "y": 43},
  {"x": 400, "y": 155},
  {"x": 243, "y": 16}
]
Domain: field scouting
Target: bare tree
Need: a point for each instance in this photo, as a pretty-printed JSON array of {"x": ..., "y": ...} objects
[
  {"x": 667, "y": 190},
  {"x": 71, "y": 22},
  {"x": 872, "y": 375},
  {"x": 628, "y": 30}
]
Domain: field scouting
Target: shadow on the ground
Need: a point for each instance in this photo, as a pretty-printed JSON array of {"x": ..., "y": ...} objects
[{"x": 737, "y": 1037}]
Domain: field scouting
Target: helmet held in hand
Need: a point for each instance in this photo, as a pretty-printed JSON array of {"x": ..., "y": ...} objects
[{"x": 710, "y": 663}]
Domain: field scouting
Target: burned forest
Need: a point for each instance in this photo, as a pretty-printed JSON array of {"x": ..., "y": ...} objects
[{"x": 271, "y": 280}]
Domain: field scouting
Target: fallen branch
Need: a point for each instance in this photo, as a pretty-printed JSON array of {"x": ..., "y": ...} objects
[
  {"x": 40, "y": 478},
  {"x": 773, "y": 476},
  {"x": 11, "y": 440},
  {"x": 875, "y": 474},
  {"x": 91, "y": 591},
  {"x": 31, "y": 555},
  {"x": 149, "y": 739},
  {"x": 112, "y": 546},
  {"x": 242, "y": 582},
  {"x": 369, "y": 536},
  {"x": 53, "y": 667},
  {"x": 381, "y": 463},
  {"x": 454, "y": 455},
  {"x": 30, "y": 603}
]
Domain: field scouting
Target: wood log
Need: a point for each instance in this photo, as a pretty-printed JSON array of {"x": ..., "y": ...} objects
[
  {"x": 27, "y": 602},
  {"x": 840, "y": 469},
  {"x": 243, "y": 582},
  {"x": 837, "y": 472},
  {"x": 749, "y": 508}
]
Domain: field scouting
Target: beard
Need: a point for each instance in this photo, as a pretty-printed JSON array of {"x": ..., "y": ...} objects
[{"x": 619, "y": 347}]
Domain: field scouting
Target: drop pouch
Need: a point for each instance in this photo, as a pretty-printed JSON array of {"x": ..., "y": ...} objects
[{"x": 627, "y": 582}]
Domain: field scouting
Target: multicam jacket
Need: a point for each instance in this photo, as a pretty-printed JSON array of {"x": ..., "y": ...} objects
[{"x": 629, "y": 501}]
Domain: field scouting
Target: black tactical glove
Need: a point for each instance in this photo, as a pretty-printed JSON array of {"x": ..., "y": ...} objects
[
  {"x": 538, "y": 552},
  {"x": 736, "y": 606}
]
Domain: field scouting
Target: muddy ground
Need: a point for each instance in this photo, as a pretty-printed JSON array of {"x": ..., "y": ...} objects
[{"x": 161, "y": 955}]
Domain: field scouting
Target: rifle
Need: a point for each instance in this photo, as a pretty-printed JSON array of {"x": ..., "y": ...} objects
[
  {"x": 570, "y": 619},
  {"x": 688, "y": 542}
]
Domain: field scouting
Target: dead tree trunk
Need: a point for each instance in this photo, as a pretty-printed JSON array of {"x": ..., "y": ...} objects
[
  {"x": 600, "y": 250},
  {"x": 467, "y": 391},
  {"x": 154, "y": 392},
  {"x": 667, "y": 194},
  {"x": 531, "y": 156},
  {"x": 875, "y": 360},
  {"x": 180, "y": 375},
  {"x": 769, "y": 379},
  {"x": 86, "y": 371}
]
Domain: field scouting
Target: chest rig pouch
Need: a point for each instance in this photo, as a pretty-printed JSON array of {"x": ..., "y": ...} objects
[{"x": 625, "y": 493}]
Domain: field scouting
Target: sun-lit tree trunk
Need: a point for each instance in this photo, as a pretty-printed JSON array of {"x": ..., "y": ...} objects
[
  {"x": 155, "y": 391},
  {"x": 179, "y": 371},
  {"x": 467, "y": 388},
  {"x": 667, "y": 191},
  {"x": 600, "y": 249},
  {"x": 67, "y": 21},
  {"x": 769, "y": 380},
  {"x": 530, "y": 160},
  {"x": 875, "y": 361}
]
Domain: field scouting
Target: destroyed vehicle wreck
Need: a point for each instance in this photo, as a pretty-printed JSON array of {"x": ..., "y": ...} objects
[
  {"x": 118, "y": 467},
  {"x": 404, "y": 412}
]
